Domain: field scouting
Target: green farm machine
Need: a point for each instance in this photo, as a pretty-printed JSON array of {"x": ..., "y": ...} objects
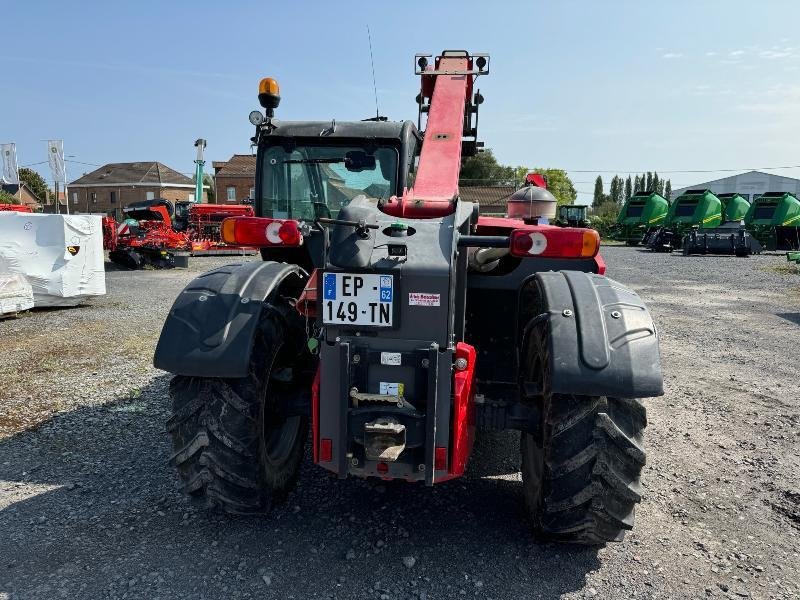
[
  {"x": 734, "y": 207},
  {"x": 774, "y": 219},
  {"x": 643, "y": 212}
]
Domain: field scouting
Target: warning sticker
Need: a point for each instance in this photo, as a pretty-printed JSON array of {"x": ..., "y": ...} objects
[
  {"x": 391, "y": 388},
  {"x": 423, "y": 299}
]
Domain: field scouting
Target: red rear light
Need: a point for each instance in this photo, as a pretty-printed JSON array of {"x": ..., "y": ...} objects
[
  {"x": 440, "y": 459},
  {"x": 562, "y": 242},
  {"x": 261, "y": 232},
  {"x": 382, "y": 468},
  {"x": 326, "y": 450}
]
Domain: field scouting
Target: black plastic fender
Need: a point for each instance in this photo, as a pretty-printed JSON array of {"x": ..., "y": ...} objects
[
  {"x": 209, "y": 330},
  {"x": 603, "y": 341}
]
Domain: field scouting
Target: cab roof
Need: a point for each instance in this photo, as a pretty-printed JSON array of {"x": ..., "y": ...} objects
[{"x": 388, "y": 130}]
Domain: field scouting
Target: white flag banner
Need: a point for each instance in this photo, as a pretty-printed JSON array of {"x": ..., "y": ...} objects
[
  {"x": 8, "y": 153},
  {"x": 55, "y": 156}
]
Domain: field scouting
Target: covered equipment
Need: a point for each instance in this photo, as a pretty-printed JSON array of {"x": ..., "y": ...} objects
[{"x": 61, "y": 256}]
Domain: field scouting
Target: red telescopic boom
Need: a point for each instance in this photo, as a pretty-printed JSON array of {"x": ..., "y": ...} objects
[{"x": 449, "y": 87}]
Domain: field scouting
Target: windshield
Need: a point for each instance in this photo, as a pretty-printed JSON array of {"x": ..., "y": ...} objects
[
  {"x": 309, "y": 182},
  {"x": 572, "y": 213}
]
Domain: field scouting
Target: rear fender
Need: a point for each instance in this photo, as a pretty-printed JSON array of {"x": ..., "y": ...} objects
[
  {"x": 603, "y": 341},
  {"x": 210, "y": 329}
]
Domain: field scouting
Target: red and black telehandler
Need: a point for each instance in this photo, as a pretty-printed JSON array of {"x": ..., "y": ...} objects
[{"x": 393, "y": 320}]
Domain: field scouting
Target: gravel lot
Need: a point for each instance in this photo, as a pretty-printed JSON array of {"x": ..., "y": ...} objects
[{"x": 89, "y": 508}]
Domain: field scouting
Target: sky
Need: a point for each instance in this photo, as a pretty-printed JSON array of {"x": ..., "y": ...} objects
[{"x": 588, "y": 86}]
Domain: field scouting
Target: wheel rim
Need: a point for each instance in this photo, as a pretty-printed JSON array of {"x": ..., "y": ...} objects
[
  {"x": 279, "y": 432},
  {"x": 279, "y": 438}
]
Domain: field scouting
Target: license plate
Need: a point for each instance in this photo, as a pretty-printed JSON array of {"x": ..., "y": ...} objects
[{"x": 357, "y": 299}]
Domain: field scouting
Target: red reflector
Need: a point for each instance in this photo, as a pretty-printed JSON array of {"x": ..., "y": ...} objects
[
  {"x": 326, "y": 450},
  {"x": 561, "y": 242},
  {"x": 440, "y": 459},
  {"x": 383, "y": 468}
]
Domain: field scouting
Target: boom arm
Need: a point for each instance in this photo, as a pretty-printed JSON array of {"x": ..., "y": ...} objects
[{"x": 449, "y": 87}]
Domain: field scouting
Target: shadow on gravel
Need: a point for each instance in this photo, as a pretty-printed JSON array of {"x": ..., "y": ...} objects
[
  {"x": 791, "y": 317},
  {"x": 91, "y": 509}
]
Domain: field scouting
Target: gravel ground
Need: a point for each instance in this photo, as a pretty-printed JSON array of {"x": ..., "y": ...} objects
[{"x": 89, "y": 509}]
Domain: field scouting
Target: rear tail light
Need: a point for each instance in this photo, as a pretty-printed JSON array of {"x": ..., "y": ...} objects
[
  {"x": 440, "y": 459},
  {"x": 261, "y": 232},
  {"x": 326, "y": 450},
  {"x": 563, "y": 242}
]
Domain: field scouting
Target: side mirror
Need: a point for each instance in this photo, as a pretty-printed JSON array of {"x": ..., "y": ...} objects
[{"x": 358, "y": 160}]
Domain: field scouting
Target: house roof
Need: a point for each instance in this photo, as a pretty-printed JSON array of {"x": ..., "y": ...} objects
[
  {"x": 28, "y": 198},
  {"x": 239, "y": 165},
  {"x": 130, "y": 173}
]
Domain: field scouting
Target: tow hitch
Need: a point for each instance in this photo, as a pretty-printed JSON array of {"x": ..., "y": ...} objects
[{"x": 384, "y": 439}]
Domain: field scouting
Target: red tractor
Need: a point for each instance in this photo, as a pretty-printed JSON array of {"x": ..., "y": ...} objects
[{"x": 393, "y": 320}]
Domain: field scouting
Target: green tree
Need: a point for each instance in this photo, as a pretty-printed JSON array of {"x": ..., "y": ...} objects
[
  {"x": 649, "y": 185},
  {"x": 597, "y": 198},
  {"x": 559, "y": 184},
  {"x": 668, "y": 189},
  {"x": 655, "y": 182},
  {"x": 636, "y": 185},
  {"x": 6, "y": 198},
  {"x": 35, "y": 183},
  {"x": 484, "y": 166},
  {"x": 628, "y": 188}
]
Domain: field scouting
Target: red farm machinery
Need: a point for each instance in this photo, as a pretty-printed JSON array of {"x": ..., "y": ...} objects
[
  {"x": 154, "y": 232},
  {"x": 392, "y": 321}
]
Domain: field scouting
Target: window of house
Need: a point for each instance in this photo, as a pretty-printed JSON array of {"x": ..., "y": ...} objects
[
  {"x": 231, "y": 193},
  {"x": 94, "y": 197},
  {"x": 150, "y": 196},
  {"x": 113, "y": 197},
  {"x": 252, "y": 193},
  {"x": 74, "y": 197}
]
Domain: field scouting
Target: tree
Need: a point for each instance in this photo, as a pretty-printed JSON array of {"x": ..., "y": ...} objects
[
  {"x": 6, "y": 198},
  {"x": 637, "y": 185},
  {"x": 655, "y": 183},
  {"x": 559, "y": 184},
  {"x": 628, "y": 188},
  {"x": 484, "y": 165},
  {"x": 597, "y": 199},
  {"x": 35, "y": 183},
  {"x": 668, "y": 189},
  {"x": 649, "y": 185},
  {"x": 617, "y": 190}
]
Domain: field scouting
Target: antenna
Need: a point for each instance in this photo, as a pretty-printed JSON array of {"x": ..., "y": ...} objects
[{"x": 374, "y": 87}]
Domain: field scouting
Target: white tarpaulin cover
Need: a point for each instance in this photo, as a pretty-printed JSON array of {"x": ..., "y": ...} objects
[
  {"x": 61, "y": 256},
  {"x": 16, "y": 294}
]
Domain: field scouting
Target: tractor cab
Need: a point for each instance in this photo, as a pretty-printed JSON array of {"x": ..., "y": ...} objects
[
  {"x": 572, "y": 215},
  {"x": 308, "y": 171}
]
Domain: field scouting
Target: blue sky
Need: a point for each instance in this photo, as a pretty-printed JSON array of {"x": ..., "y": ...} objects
[{"x": 582, "y": 85}]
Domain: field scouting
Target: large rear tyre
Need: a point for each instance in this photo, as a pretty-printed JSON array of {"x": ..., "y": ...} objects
[
  {"x": 580, "y": 469},
  {"x": 234, "y": 444}
]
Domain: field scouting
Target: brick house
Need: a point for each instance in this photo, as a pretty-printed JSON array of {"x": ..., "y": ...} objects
[
  {"x": 115, "y": 185},
  {"x": 235, "y": 179},
  {"x": 24, "y": 194}
]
